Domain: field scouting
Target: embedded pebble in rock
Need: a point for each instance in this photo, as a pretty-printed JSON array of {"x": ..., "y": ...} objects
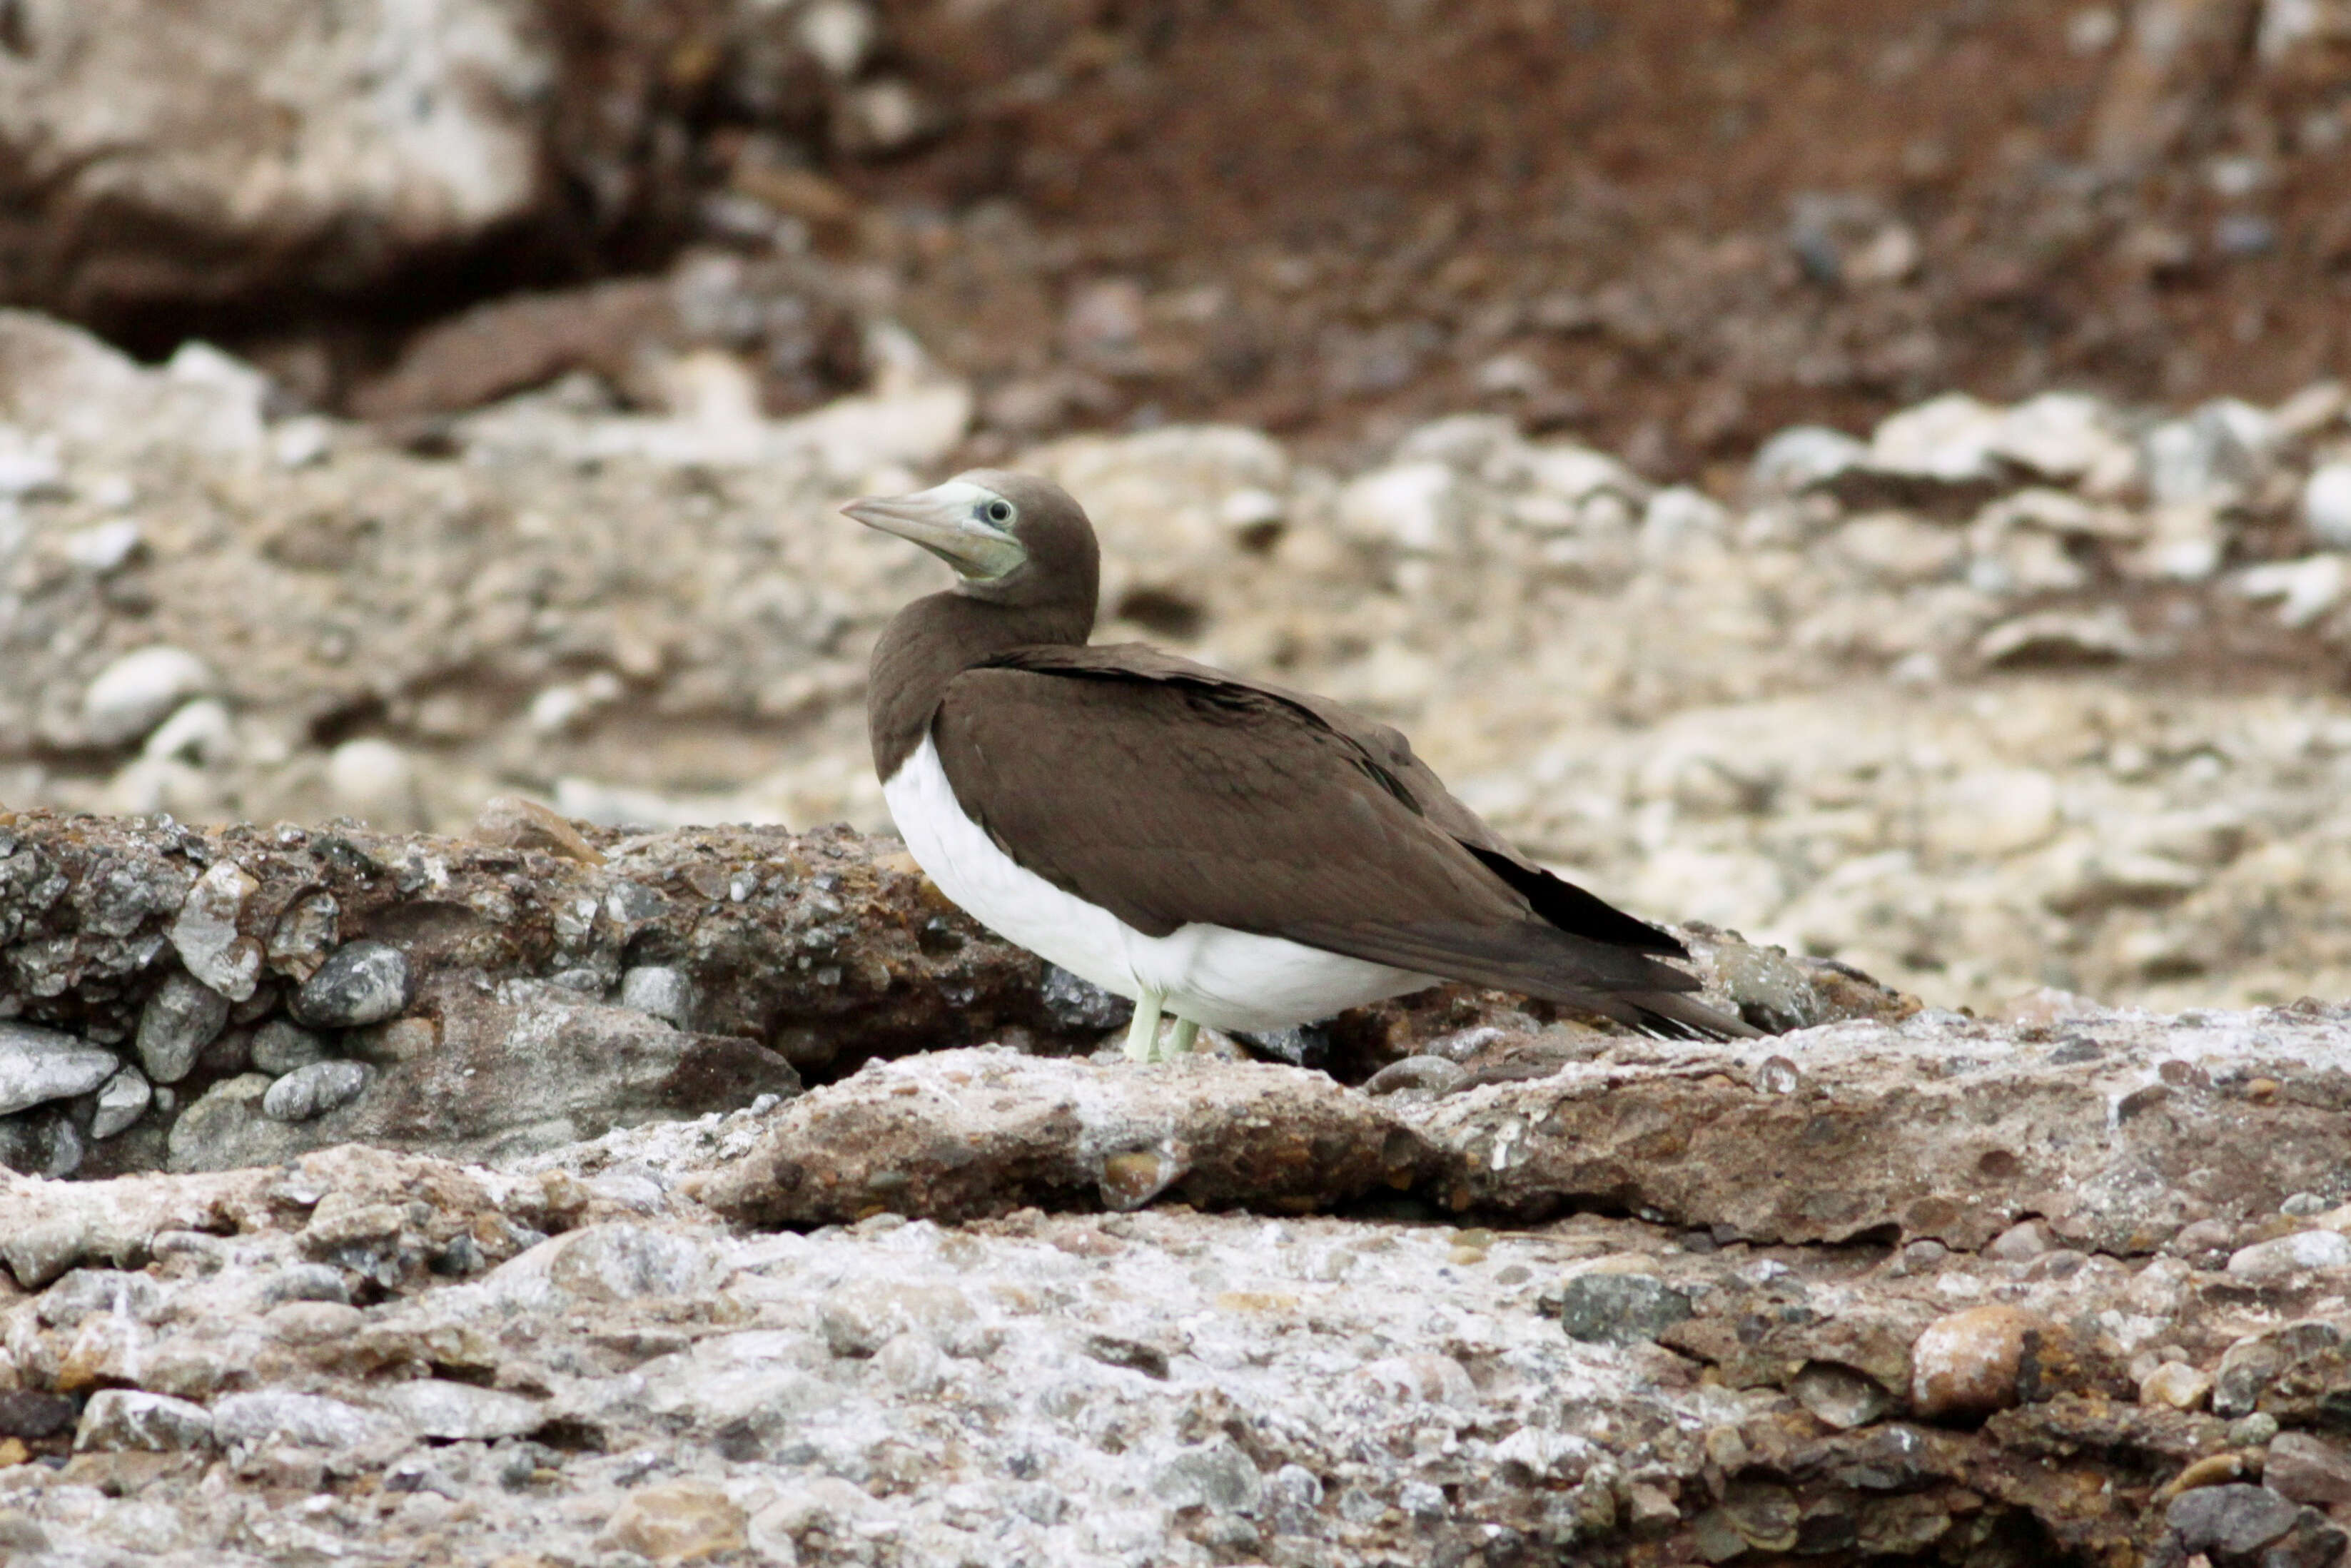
[
  {"x": 206, "y": 937},
  {"x": 525, "y": 824},
  {"x": 180, "y": 1020},
  {"x": 459, "y": 1412},
  {"x": 2175, "y": 1386},
  {"x": 361, "y": 983},
  {"x": 121, "y": 1101},
  {"x": 1620, "y": 1309},
  {"x": 2290, "y": 1255},
  {"x": 313, "y": 1090},
  {"x": 676, "y": 1522},
  {"x": 2309, "y": 1469},
  {"x": 1841, "y": 1396},
  {"x": 119, "y": 1418},
  {"x": 139, "y": 691},
  {"x": 2230, "y": 1521},
  {"x": 660, "y": 991},
  {"x": 207, "y": 1134},
  {"x": 1967, "y": 1364},
  {"x": 303, "y": 1420},
  {"x": 38, "y": 1065},
  {"x": 279, "y": 1048}
]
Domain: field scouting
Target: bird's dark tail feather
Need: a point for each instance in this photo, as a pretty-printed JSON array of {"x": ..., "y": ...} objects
[{"x": 1677, "y": 1017}]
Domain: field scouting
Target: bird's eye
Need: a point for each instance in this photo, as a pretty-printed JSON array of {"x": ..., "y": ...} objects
[{"x": 999, "y": 511}]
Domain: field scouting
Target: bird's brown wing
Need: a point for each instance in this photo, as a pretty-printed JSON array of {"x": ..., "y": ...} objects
[{"x": 1168, "y": 793}]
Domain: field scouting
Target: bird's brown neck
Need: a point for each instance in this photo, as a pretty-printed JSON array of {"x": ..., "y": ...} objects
[{"x": 934, "y": 639}]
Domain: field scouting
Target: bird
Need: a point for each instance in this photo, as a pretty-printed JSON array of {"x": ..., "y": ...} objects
[{"x": 1222, "y": 850}]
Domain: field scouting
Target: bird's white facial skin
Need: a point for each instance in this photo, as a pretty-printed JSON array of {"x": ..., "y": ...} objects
[{"x": 966, "y": 525}]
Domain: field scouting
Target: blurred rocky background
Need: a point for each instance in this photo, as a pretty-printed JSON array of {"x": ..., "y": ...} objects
[{"x": 1866, "y": 475}]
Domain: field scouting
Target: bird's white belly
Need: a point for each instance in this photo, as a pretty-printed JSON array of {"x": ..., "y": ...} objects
[{"x": 1210, "y": 974}]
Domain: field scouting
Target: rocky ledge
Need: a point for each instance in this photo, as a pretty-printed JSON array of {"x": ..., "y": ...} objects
[{"x": 499, "y": 1227}]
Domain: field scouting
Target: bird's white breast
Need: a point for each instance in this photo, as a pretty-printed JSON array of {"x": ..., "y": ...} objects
[{"x": 1210, "y": 974}]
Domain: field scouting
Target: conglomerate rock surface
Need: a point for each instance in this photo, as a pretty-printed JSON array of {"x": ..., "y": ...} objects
[{"x": 567, "y": 1358}]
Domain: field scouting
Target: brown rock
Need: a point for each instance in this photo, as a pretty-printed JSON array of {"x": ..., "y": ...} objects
[
  {"x": 522, "y": 824},
  {"x": 682, "y": 1521},
  {"x": 2309, "y": 1469},
  {"x": 1993, "y": 1126},
  {"x": 962, "y": 1133},
  {"x": 1974, "y": 1362}
]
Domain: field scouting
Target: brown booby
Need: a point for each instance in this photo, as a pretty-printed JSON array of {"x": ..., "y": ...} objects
[{"x": 1225, "y": 850}]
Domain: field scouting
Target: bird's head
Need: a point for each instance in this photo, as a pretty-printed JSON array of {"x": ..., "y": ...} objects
[{"x": 1011, "y": 537}]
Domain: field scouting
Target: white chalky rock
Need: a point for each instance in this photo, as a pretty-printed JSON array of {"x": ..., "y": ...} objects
[
  {"x": 206, "y": 937},
  {"x": 134, "y": 693}
]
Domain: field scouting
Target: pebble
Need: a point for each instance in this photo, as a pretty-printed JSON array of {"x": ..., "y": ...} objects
[
  {"x": 524, "y": 824},
  {"x": 121, "y": 1101},
  {"x": 38, "y": 1065},
  {"x": 1416, "y": 507},
  {"x": 460, "y": 1412},
  {"x": 2021, "y": 1242},
  {"x": 313, "y": 1090},
  {"x": 2326, "y": 506},
  {"x": 30, "y": 1413},
  {"x": 1216, "y": 1475},
  {"x": 2231, "y": 1520},
  {"x": 2290, "y": 1255},
  {"x": 660, "y": 991},
  {"x": 2175, "y": 1386},
  {"x": 303, "y": 1420},
  {"x": 1839, "y": 1396},
  {"x": 201, "y": 732},
  {"x": 679, "y": 1522},
  {"x": 105, "y": 546},
  {"x": 278, "y": 1048},
  {"x": 205, "y": 934},
  {"x": 180, "y": 1020},
  {"x": 361, "y": 983},
  {"x": 1802, "y": 456},
  {"x": 1965, "y": 1363},
  {"x": 1619, "y": 1308},
  {"x": 140, "y": 690},
  {"x": 373, "y": 781},
  {"x": 2309, "y": 1469},
  {"x": 118, "y": 1418}
]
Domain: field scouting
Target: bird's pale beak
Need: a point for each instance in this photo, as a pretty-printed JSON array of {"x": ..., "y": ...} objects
[{"x": 946, "y": 520}]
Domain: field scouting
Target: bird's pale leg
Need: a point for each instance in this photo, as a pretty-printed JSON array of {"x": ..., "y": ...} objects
[
  {"x": 1142, "y": 1034},
  {"x": 1179, "y": 1042}
]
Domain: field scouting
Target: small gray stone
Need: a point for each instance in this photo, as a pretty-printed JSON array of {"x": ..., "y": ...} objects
[
  {"x": 304, "y": 1420},
  {"x": 278, "y": 1048},
  {"x": 38, "y": 1065},
  {"x": 662, "y": 991},
  {"x": 2290, "y": 1255},
  {"x": 205, "y": 932},
  {"x": 131, "y": 1418},
  {"x": 360, "y": 983},
  {"x": 41, "y": 1142},
  {"x": 306, "y": 1283},
  {"x": 121, "y": 1100},
  {"x": 2233, "y": 1520},
  {"x": 1216, "y": 1475},
  {"x": 313, "y": 1090},
  {"x": 1840, "y": 1395},
  {"x": 459, "y": 1412},
  {"x": 180, "y": 1020},
  {"x": 211, "y": 1133},
  {"x": 1620, "y": 1309}
]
